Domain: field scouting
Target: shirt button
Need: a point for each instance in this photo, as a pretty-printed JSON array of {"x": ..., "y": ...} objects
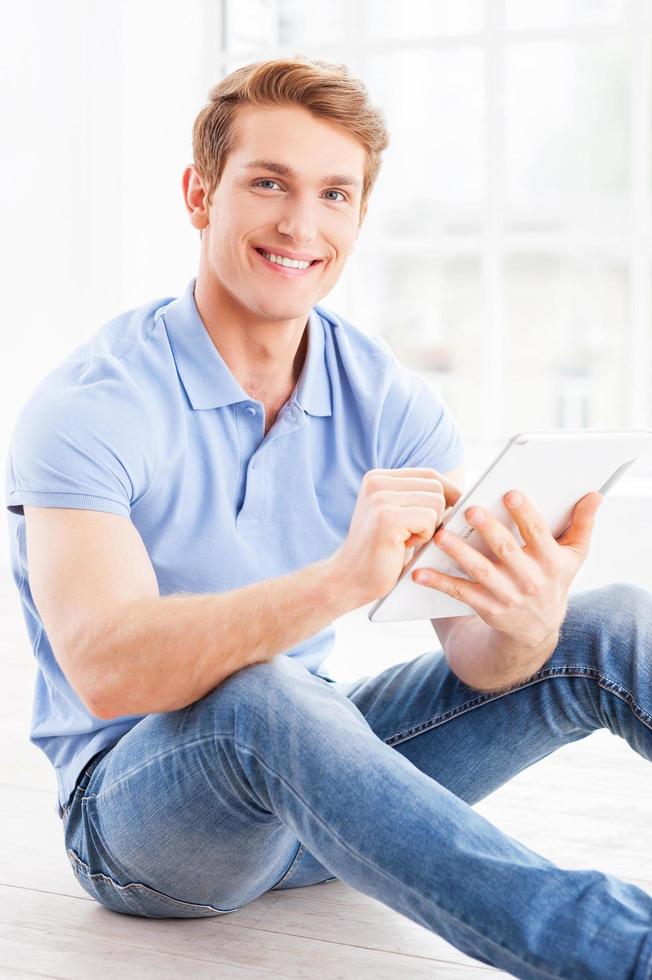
[
  {"x": 250, "y": 409},
  {"x": 253, "y": 466}
]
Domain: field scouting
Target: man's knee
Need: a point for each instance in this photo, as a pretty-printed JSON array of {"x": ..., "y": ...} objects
[
  {"x": 262, "y": 691},
  {"x": 619, "y": 611},
  {"x": 268, "y": 675},
  {"x": 270, "y": 683},
  {"x": 615, "y": 601},
  {"x": 279, "y": 692}
]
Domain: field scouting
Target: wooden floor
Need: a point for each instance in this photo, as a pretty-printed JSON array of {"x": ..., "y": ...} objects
[{"x": 589, "y": 805}]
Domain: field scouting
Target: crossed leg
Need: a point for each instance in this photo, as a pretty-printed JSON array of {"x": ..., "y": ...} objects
[{"x": 208, "y": 803}]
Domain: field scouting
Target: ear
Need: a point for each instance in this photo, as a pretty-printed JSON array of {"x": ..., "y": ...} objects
[{"x": 194, "y": 197}]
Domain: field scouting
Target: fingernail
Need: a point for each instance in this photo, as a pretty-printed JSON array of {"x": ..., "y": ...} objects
[
  {"x": 514, "y": 500},
  {"x": 422, "y": 577},
  {"x": 475, "y": 517}
]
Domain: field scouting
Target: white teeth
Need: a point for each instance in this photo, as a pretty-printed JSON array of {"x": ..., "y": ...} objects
[{"x": 290, "y": 263}]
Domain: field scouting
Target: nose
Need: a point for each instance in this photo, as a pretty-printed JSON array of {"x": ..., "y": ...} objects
[{"x": 298, "y": 220}]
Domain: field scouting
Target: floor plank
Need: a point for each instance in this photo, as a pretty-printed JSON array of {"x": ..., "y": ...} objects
[
  {"x": 76, "y": 936},
  {"x": 588, "y": 805}
]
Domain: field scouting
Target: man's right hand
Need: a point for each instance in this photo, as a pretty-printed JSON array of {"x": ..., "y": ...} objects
[{"x": 395, "y": 511}]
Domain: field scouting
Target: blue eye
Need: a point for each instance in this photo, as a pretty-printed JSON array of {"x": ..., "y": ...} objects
[{"x": 268, "y": 180}]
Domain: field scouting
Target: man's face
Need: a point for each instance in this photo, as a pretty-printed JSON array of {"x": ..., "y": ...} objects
[{"x": 257, "y": 211}]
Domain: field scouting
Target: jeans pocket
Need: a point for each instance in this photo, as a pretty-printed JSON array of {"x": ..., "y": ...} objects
[{"x": 135, "y": 897}]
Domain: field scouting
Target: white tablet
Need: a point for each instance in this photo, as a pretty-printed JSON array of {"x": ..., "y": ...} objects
[{"x": 553, "y": 469}]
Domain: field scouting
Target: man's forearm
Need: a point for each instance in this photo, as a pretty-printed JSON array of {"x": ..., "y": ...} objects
[
  {"x": 165, "y": 653},
  {"x": 488, "y": 660}
]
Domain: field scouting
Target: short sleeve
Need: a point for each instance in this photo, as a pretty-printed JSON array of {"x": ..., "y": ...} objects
[
  {"x": 81, "y": 440},
  {"x": 416, "y": 426}
]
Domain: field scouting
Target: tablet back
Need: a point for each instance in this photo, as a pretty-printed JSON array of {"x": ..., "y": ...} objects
[{"x": 554, "y": 470}]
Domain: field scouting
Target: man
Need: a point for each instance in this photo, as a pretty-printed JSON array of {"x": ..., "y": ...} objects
[{"x": 207, "y": 484}]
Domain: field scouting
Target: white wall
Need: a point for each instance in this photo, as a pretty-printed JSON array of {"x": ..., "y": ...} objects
[{"x": 98, "y": 100}]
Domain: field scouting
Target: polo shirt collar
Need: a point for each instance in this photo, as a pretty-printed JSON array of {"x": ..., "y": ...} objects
[{"x": 207, "y": 379}]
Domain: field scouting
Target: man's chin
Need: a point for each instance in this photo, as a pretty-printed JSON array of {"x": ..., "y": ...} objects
[{"x": 282, "y": 313}]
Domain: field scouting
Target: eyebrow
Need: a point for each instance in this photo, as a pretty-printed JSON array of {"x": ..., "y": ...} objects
[{"x": 283, "y": 170}]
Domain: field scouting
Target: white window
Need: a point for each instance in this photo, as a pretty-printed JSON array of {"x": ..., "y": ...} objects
[{"x": 507, "y": 251}]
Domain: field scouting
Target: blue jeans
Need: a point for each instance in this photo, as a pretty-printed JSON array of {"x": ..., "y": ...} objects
[{"x": 279, "y": 778}]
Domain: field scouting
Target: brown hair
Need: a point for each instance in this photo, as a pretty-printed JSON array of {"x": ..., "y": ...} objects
[{"x": 325, "y": 89}]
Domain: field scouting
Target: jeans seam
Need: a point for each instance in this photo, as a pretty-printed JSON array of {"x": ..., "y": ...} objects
[
  {"x": 199, "y": 740},
  {"x": 569, "y": 670},
  {"x": 453, "y": 916},
  {"x": 647, "y": 964},
  {"x": 139, "y": 887},
  {"x": 295, "y": 860},
  {"x": 155, "y": 758}
]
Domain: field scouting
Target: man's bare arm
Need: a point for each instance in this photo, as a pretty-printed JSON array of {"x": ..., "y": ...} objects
[
  {"x": 488, "y": 660},
  {"x": 162, "y": 654},
  {"x": 126, "y": 650}
]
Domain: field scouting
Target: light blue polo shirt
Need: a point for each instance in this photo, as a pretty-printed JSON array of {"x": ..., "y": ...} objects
[{"x": 146, "y": 420}]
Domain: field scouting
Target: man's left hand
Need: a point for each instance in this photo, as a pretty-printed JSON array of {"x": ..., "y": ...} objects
[{"x": 524, "y": 593}]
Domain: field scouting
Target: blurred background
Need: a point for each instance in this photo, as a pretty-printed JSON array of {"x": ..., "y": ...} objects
[{"x": 507, "y": 251}]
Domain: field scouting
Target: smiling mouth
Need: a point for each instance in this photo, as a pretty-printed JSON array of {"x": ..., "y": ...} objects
[{"x": 287, "y": 265}]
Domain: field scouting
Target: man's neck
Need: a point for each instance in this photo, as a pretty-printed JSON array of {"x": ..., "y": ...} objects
[{"x": 265, "y": 356}]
